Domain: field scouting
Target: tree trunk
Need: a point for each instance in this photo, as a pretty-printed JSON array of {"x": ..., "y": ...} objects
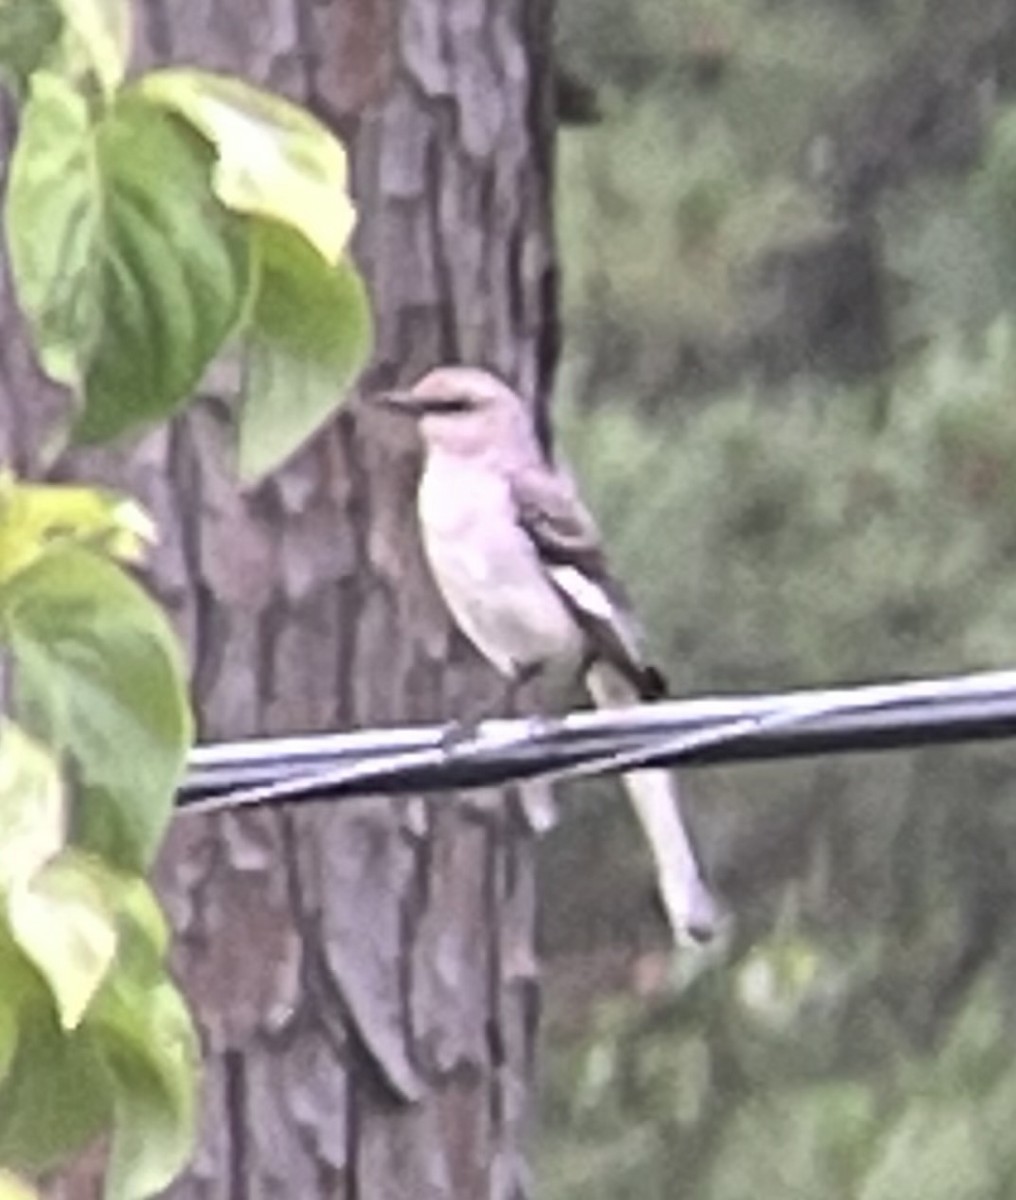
[{"x": 364, "y": 976}]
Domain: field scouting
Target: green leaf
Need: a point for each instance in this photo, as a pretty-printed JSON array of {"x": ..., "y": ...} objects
[
  {"x": 8, "y": 1035},
  {"x": 309, "y": 337},
  {"x": 56, "y": 1096},
  {"x": 274, "y": 159},
  {"x": 150, "y": 1048},
  {"x": 32, "y": 811},
  {"x": 176, "y": 277},
  {"x": 130, "y": 1068},
  {"x": 97, "y": 40},
  {"x": 33, "y": 516},
  {"x": 53, "y": 219},
  {"x": 28, "y": 32},
  {"x": 130, "y": 271},
  {"x": 63, "y": 923},
  {"x": 99, "y": 675},
  {"x": 151, "y": 1051},
  {"x": 79, "y": 40},
  {"x": 13, "y": 969},
  {"x": 144, "y": 932},
  {"x": 21, "y": 986}
]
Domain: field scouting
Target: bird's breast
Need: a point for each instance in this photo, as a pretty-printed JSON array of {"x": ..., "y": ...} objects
[
  {"x": 488, "y": 570},
  {"x": 466, "y": 518}
]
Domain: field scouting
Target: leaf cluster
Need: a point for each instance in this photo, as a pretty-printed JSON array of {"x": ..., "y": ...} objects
[
  {"x": 93, "y": 1033},
  {"x": 154, "y": 221},
  {"x": 151, "y": 223}
]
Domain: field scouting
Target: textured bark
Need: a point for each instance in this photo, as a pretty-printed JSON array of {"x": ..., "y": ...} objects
[{"x": 365, "y": 978}]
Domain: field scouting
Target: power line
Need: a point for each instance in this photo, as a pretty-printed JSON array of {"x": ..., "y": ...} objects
[{"x": 339, "y": 766}]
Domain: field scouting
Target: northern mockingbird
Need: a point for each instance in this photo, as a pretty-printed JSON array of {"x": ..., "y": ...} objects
[{"x": 518, "y": 560}]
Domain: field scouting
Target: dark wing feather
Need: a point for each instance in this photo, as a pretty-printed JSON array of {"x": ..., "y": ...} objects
[{"x": 568, "y": 542}]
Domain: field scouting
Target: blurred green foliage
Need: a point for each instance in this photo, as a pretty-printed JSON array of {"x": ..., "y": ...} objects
[
  {"x": 852, "y": 1037},
  {"x": 859, "y": 1020},
  {"x": 713, "y": 154},
  {"x": 695, "y": 169}
]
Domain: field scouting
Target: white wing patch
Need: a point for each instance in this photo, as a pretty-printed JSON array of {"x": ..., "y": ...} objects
[{"x": 586, "y": 595}]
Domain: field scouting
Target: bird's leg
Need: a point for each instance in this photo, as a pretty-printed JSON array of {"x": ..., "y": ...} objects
[
  {"x": 522, "y": 675},
  {"x": 463, "y": 729}
]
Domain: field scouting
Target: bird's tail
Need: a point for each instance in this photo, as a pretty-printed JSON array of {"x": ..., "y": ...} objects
[{"x": 690, "y": 908}]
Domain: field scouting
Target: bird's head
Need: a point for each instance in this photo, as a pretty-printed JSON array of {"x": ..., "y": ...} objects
[{"x": 465, "y": 409}]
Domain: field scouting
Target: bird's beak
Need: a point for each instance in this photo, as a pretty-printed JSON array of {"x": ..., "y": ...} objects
[{"x": 401, "y": 402}]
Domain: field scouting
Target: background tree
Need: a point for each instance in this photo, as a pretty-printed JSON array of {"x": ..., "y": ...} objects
[
  {"x": 364, "y": 979},
  {"x": 807, "y": 384}
]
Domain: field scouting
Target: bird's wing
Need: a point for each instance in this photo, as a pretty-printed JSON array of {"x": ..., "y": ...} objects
[
  {"x": 566, "y": 537},
  {"x": 564, "y": 533}
]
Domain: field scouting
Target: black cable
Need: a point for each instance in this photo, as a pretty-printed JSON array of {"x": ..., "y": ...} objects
[{"x": 689, "y": 732}]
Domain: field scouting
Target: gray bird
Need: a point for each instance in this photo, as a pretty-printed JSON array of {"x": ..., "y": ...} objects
[{"x": 519, "y": 562}]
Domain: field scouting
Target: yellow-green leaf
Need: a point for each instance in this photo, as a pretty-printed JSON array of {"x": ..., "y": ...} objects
[
  {"x": 308, "y": 338},
  {"x": 97, "y": 40},
  {"x": 274, "y": 158},
  {"x": 131, "y": 273},
  {"x": 151, "y": 1052},
  {"x": 34, "y": 516},
  {"x": 99, "y": 675},
  {"x": 128, "y": 1068},
  {"x": 12, "y": 1188},
  {"x": 32, "y": 812},
  {"x": 53, "y": 225},
  {"x": 63, "y": 923}
]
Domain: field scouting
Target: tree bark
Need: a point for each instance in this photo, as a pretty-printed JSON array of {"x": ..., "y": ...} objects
[{"x": 364, "y": 977}]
